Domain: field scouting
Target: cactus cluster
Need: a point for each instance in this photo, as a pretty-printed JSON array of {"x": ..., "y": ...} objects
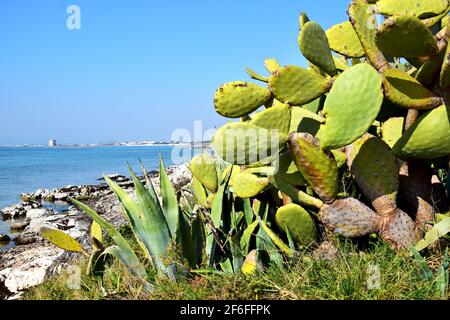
[{"x": 370, "y": 110}]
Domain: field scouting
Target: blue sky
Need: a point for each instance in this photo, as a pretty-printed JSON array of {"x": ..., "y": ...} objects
[{"x": 137, "y": 69}]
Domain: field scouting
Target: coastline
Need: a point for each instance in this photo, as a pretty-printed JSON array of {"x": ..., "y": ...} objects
[{"x": 29, "y": 259}]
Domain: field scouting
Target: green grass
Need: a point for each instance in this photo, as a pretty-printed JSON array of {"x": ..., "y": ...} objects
[{"x": 304, "y": 278}]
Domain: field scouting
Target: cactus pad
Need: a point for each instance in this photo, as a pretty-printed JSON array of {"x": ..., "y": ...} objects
[
  {"x": 317, "y": 166},
  {"x": 299, "y": 223},
  {"x": 303, "y": 120},
  {"x": 364, "y": 22},
  {"x": 406, "y": 36},
  {"x": 418, "y": 8},
  {"x": 428, "y": 138},
  {"x": 238, "y": 99},
  {"x": 376, "y": 172},
  {"x": 277, "y": 118},
  {"x": 288, "y": 171},
  {"x": 345, "y": 105},
  {"x": 444, "y": 79},
  {"x": 297, "y": 86},
  {"x": 244, "y": 143},
  {"x": 349, "y": 217},
  {"x": 247, "y": 185},
  {"x": 405, "y": 91},
  {"x": 199, "y": 192},
  {"x": 314, "y": 45},
  {"x": 344, "y": 40},
  {"x": 398, "y": 230},
  {"x": 392, "y": 130},
  {"x": 203, "y": 168}
]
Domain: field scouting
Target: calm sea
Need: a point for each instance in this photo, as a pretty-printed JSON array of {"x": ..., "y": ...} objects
[{"x": 29, "y": 169}]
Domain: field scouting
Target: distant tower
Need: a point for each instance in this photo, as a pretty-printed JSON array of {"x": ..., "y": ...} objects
[{"x": 52, "y": 143}]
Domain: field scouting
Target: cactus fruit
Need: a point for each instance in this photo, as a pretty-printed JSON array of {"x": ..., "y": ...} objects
[
  {"x": 248, "y": 185},
  {"x": 203, "y": 168},
  {"x": 297, "y": 86},
  {"x": 299, "y": 223},
  {"x": 406, "y": 36},
  {"x": 428, "y": 138},
  {"x": 238, "y": 99},
  {"x": 317, "y": 166},
  {"x": 405, "y": 91},
  {"x": 345, "y": 105},
  {"x": 344, "y": 40},
  {"x": 249, "y": 267},
  {"x": 314, "y": 45}
]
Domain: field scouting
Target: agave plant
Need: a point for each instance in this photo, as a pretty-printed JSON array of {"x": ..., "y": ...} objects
[{"x": 156, "y": 225}]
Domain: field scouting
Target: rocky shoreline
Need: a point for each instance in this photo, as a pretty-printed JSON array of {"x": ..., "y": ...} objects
[{"x": 33, "y": 259}]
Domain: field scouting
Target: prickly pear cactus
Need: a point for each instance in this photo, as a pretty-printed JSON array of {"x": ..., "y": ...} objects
[{"x": 372, "y": 98}]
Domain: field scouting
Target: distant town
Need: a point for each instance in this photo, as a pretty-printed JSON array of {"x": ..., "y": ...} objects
[{"x": 52, "y": 143}]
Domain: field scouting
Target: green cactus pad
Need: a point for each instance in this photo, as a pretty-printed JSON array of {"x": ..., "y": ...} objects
[
  {"x": 351, "y": 106},
  {"x": 392, "y": 130},
  {"x": 444, "y": 78},
  {"x": 203, "y": 168},
  {"x": 238, "y": 99},
  {"x": 254, "y": 75},
  {"x": 303, "y": 120},
  {"x": 428, "y": 138},
  {"x": 288, "y": 171},
  {"x": 317, "y": 166},
  {"x": 340, "y": 156},
  {"x": 429, "y": 71},
  {"x": 430, "y": 22},
  {"x": 349, "y": 218},
  {"x": 297, "y": 86},
  {"x": 314, "y": 45},
  {"x": 364, "y": 22},
  {"x": 276, "y": 118},
  {"x": 417, "y": 8},
  {"x": 375, "y": 169},
  {"x": 248, "y": 185},
  {"x": 244, "y": 143},
  {"x": 199, "y": 192},
  {"x": 226, "y": 173},
  {"x": 271, "y": 65},
  {"x": 344, "y": 40},
  {"x": 406, "y": 36},
  {"x": 341, "y": 63},
  {"x": 299, "y": 223},
  {"x": 405, "y": 91}
]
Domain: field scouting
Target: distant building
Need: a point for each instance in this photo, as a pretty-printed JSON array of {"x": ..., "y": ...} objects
[{"x": 52, "y": 143}]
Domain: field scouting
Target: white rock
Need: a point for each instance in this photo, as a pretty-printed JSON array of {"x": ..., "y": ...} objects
[{"x": 37, "y": 213}]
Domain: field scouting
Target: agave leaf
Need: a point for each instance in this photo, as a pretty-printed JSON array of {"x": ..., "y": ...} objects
[
  {"x": 276, "y": 240},
  {"x": 236, "y": 253},
  {"x": 187, "y": 239},
  {"x": 170, "y": 201},
  {"x": 443, "y": 276},
  {"x": 434, "y": 234},
  {"x": 96, "y": 234},
  {"x": 127, "y": 255},
  {"x": 61, "y": 239},
  {"x": 427, "y": 273},
  {"x": 246, "y": 236},
  {"x": 149, "y": 225},
  {"x": 217, "y": 209},
  {"x": 248, "y": 211},
  {"x": 267, "y": 250},
  {"x": 227, "y": 266}
]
